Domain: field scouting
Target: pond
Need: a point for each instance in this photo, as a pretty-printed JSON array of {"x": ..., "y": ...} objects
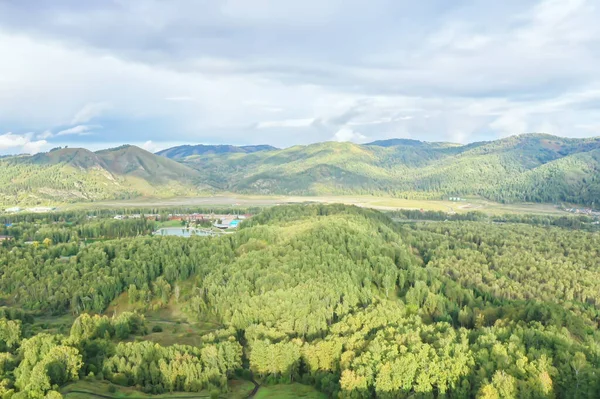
[{"x": 182, "y": 232}]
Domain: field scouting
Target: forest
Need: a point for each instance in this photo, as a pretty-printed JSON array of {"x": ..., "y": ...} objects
[
  {"x": 526, "y": 168},
  {"x": 353, "y": 302}
]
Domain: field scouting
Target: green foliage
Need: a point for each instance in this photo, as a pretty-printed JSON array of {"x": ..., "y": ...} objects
[
  {"x": 339, "y": 297},
  {"x": 75, "y": 174},
  {"x": 534, "y": 167},
  {"x": 46, "y": 361},
  {"x": 174, "y": 368}
]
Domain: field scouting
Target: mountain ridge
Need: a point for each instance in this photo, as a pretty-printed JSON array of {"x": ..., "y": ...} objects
[
  {"x": 406, "y": 168},
  {"x": 77, "y": 174},
  {"x": 183, "y": 151},
  {"x": 529, "y": 167}
]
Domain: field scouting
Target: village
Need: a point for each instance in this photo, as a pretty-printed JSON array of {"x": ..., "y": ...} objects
[
  {"x": 191, "y": 224},
  {"x": 583, "y": 211}
]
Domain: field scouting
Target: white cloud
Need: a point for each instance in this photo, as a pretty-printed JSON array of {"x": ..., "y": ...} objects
[
  {"x": 286, "y": 123},
  {"x": 347, "y": 134},
  {"x": 446, "y": 73},
  {"x": 89, "y": 112},
  {"x": 153, "y": 147},
  {"x": 21, "y": 143},
  {"x": 46, "y": 134},
  {"x": 180, "y": 99},
  {"x": 509, "y": 124},
  {"x": 79, "y": 130}
]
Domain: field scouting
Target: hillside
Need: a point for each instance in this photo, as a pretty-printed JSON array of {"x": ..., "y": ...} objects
[
  {"x": 183, "y": 151},
  {"x": 505, "y": 170},
  {"x": 532, "y": 168},
  {"x": 76, "y": 174}
]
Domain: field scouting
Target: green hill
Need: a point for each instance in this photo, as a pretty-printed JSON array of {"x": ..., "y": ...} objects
[
  {"x": 531, "y": 167},
  {"x": 506, "y": 170},
  {"x": 76, "y": 174}
]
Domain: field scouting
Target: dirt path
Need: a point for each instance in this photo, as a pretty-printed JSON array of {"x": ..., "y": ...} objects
[{"x": 256, "y": 387}]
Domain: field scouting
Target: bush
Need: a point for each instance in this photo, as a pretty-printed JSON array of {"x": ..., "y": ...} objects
[
  {"x": 112, "y": 388},
  {"x": 120, "y": 379},
  {"x": 157, "y": 329}
]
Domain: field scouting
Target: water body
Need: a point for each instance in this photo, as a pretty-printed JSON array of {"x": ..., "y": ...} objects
[{"x": 182, "y": 232}]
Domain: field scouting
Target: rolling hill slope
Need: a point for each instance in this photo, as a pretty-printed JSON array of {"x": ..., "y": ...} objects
[
  {"x": 76, "y": 174},
  {"x": 532, "y": 167}
]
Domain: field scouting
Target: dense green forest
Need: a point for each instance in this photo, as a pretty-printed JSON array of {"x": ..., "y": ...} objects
[
  {"x": 76, "y": 174},
  {"x": 525, "y": 168},
  {"x": 354, "y": 302},
  {"x": 532, "y": 167}
]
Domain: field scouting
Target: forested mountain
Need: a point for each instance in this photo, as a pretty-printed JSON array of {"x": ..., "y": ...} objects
[
  {"x": 341, "y": 298},
  {"x": 183, "y": 151},
  {"x": 532, "y": 167},
  {"x": 70, "y": 174}
]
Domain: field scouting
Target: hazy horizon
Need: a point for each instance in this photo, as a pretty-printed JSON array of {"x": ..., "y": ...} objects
[{"x": 165, "y": 146}]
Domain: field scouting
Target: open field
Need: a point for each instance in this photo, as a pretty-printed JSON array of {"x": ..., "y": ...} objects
[
  {"x": 93, "y": 389},
  {"x": 381, "y": 203},
  {"x": 176, "y": 326},
  {"x": 238, "y": 389},
  {"x": 288, "y": 391}
]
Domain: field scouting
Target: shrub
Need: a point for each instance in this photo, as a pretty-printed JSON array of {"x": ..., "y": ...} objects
[{"x": 157, "y": 329}]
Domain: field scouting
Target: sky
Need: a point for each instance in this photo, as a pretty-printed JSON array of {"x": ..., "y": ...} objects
[{"x": 157, "y": 73}]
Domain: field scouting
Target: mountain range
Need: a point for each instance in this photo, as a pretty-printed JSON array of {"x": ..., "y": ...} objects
[
  {"x": 184, "y": 151},
  {"x": 530, "y": 167}
]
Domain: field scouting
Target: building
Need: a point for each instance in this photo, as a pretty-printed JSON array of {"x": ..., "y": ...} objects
[
  {"x": 41, "y": 209},
  {"x": 183, "y": 232},
  {"x": 13, "y": 210},
  {"x": 5, "y": 238}
]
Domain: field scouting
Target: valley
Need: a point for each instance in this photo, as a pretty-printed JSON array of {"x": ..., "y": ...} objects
[
  {"x": 262, "y": 199},
  {"x": 383, "y": 203}
]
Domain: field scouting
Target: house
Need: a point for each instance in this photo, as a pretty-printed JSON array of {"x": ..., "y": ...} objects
[
  {"x": 5, "y": 238},
  {"x": 40, "y": 209}
]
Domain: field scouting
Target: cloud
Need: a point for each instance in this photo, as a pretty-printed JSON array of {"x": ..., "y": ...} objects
[
  {"x": 79, "y": 130},
  {"x": 347, "y": 134},
  {"x": 181, "y": 99},
  {"x": 281, "y": 73},
  {"x": 89, "y": 112},
  {"x": 285, "y": 123},
  {"x": 46, "y": 134},
  {"x": 21, "y": 143},
  {"x": 509, "y": 123},
  {"x": 152, "y": 147}
]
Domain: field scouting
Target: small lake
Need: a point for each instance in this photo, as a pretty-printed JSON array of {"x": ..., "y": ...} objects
[{"x": 182, "y": 232}]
